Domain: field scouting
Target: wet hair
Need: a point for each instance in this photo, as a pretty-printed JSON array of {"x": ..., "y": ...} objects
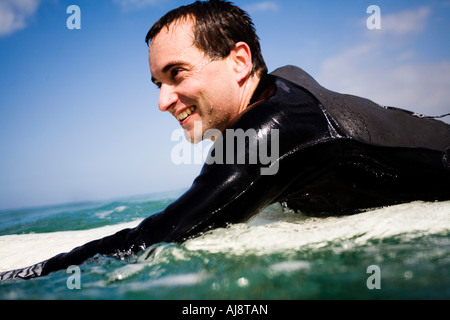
[{"x": 217, "y": 26}]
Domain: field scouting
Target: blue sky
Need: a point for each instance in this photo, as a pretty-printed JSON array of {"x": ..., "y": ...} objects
[{"x": 78, "y": 112}]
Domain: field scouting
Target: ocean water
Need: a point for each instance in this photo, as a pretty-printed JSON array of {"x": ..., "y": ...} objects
[{"x": 397, "y": 252}]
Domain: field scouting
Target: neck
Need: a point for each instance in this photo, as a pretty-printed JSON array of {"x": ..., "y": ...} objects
[{"x": 249, "y": 88}]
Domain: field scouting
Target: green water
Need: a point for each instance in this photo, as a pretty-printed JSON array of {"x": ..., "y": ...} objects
[{"x": 412, "y": 265}]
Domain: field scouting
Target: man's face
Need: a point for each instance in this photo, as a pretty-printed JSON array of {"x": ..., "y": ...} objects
[{"x": 193, "y": 87}]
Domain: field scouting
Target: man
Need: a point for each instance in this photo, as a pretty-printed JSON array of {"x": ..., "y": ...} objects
[{"x": 335, "y": 154}]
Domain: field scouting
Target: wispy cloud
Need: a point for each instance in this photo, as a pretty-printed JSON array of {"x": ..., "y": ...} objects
[
  {"x": 386, "y": 71},
  {"x": 14, "y": 14},
  {"x": 406, "y": 22},
  {"x": 422, "y": 88},
  {"x": 263, "y": 6},
  {"x": 136, "y": 4}
]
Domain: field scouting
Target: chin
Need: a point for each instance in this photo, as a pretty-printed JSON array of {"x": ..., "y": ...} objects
[{"x": 192, "y": 138}]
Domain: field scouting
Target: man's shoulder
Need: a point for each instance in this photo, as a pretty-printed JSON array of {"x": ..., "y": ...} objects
[
  {"x": 296, "y": 75},
  {"x": 366, "y": 121}
]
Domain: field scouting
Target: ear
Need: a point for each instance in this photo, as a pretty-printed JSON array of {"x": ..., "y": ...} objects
[{"x": 241, "y": 58}]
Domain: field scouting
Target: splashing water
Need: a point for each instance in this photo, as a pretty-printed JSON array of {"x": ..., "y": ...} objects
[{"x": 277, "y": 255}]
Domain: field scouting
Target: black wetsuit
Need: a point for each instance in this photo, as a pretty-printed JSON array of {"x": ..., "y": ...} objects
[{"x": 337, "y": 154}]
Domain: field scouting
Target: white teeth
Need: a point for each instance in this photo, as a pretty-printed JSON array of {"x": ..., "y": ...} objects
[{"x": 185, "y": 113}]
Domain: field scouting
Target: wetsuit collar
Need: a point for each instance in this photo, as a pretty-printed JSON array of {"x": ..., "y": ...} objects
[{"x": 264, "y": 90}]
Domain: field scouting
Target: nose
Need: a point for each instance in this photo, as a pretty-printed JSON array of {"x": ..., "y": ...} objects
[{"x": 167, "y": 97}]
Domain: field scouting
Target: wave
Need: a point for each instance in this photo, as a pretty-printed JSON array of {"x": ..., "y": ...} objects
[{"x": 273, "y": 230}]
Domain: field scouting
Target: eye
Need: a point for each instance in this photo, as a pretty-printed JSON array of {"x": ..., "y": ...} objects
[{"x": 174, "y": 73}]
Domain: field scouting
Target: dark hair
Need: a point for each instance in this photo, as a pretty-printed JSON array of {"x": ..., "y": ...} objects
[{"x": 218, "y": 26}]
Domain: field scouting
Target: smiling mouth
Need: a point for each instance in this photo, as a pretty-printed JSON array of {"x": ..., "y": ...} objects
[{"x": 186, "y": 113}]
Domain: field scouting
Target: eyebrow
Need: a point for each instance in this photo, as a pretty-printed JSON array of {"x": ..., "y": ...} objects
[{"x": 169, "y": 66}]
